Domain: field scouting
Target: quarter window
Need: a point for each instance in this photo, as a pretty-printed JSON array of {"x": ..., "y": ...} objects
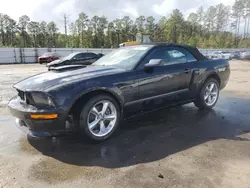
[
  {"x": 80, "y": 56},
  {"x": 90, "y": 55}
]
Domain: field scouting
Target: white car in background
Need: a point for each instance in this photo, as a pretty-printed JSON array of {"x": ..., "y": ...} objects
[
  {"x": 245, "y": 55},
  {"x": 221, "y": 55}
]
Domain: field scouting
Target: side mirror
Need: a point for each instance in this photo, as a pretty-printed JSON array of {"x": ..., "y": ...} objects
[{"x": 153, "y": 63}]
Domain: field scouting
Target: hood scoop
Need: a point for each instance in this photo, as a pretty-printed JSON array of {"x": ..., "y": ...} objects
[{"x": 66, "y": 68}]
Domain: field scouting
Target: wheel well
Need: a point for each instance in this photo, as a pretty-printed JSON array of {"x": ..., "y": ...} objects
[
  {"x": 214, "y": 76},
  {"x": 77, "y": 106}
]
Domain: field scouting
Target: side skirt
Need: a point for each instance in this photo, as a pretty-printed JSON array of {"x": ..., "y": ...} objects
[{"x": 150, "y": 111}]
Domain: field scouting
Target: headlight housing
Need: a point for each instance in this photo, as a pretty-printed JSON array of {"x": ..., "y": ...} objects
[{"x": 42, "y": 99}]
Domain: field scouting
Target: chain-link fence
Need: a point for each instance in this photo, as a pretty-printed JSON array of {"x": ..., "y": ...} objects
[{"x": 30, "y": 55}]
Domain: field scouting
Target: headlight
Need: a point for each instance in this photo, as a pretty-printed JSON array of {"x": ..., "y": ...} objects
[{"x": 42, "y": 99}]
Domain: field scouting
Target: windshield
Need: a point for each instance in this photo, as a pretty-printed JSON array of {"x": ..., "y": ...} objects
[{"x": 125, "y": 57}]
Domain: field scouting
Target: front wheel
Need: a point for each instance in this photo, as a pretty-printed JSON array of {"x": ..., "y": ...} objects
[
  {"x": 99, "y": 117},
  {"x": 208, "y": 95}
]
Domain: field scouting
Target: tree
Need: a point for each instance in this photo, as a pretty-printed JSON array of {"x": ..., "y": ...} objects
[
  {"x": 81, "y": 24},
  {"x": 236, "y": 15},
  {"x": 210, "y": 19},
  {"x": 52, "y": 34},
  {"x": 217, "y": 26},
  {"x": 247, "y": 14},
  {"x": 200, "y": 15},
  {"x": 222, "y": 17},
  {"x": 65, "y": 21},
  {"x": 43, "y": 34},
  {"x": 149, "y": 26},
  {"x": 126, "y": 24},
  {"x": 140, "y": 23},
  {"x": 201, "y": 19},
  {"x": 192, "y": 24},
  {"x": 101, "y": 26},
  {"x": 174, "y": 25},
  {"x": 94, "y": 23},
  {"x": 193, "y": 18},
  {"x": 9, "y": 28},
  {"x": 74, "y": 42},
  {"x": 34, "y": 29},
  {"x": 22, "y": 24}
]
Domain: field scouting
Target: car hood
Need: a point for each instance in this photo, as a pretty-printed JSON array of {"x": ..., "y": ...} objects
[
  {"x": 54, "y": 79},
  {"x": 58, "y": 61}
]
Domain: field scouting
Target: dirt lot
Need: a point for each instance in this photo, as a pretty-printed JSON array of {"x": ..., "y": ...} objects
[{"x": 177, "y": 147}]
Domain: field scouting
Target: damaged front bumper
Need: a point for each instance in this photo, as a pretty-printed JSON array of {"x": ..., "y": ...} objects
[{"x": 39, "y": 127}]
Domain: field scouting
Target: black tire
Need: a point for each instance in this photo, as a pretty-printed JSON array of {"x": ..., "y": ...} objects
[
  {"x": 83, "y": 122},
  {"x": 200, "y": 101}
]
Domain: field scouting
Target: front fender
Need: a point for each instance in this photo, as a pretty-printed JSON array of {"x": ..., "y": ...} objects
[{"x": 113, "y": 91}]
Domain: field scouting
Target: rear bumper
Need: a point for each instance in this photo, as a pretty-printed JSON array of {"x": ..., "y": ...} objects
[{"x": 39, "y": 127}]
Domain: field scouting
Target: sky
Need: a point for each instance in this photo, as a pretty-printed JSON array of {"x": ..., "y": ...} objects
[{"x": 49, "y": 10}]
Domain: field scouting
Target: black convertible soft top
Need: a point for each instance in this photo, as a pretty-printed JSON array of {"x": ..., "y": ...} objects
[{"x": 194, "y": 51}]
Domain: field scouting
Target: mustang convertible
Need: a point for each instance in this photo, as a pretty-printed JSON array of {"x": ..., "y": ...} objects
[{"x": 93, "y": 100}]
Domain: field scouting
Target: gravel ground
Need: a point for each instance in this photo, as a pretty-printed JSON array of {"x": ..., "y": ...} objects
[
  {"x": 11, "y": 74},
  {"x": 176, "y": 147}
]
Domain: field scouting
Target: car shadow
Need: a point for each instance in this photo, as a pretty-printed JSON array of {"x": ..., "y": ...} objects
[{"x": 154, "y": 136}]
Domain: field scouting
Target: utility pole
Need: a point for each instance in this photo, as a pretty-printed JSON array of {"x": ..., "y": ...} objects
[{"x": 65, "y": 21}]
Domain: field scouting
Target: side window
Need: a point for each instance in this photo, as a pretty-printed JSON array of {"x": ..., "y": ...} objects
[
  {"x": 175, "y": 57},
  {"x": 90, "y": 55},
  {"x": 158, "y": 53},
  {"x": 80, "y": 56},
  {"x": 179, "y": 55},
  {"x": 170, "y": 56}
]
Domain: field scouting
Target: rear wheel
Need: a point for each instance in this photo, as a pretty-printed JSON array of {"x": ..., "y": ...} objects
[
  {"x": 209, "y": 94},
  {"x": 99, "y": 117}
]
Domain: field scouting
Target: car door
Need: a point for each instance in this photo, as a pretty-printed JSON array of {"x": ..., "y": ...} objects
[{"x": 168, "y": 83}]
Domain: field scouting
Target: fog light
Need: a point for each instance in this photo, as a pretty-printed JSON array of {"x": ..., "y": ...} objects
[{"x": 44, "y": 116}]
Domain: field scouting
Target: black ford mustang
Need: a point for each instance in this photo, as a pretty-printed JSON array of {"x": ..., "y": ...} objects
[{"x": 94, "y": 99}]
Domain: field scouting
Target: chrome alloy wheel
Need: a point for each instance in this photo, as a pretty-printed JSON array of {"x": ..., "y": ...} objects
[
  {"x": 102, "y": 118},
  {"x": 211, "y": 93}
]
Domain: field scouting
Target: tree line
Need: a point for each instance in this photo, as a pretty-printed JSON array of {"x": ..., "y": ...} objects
[{"x": 217, "y": 26}]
